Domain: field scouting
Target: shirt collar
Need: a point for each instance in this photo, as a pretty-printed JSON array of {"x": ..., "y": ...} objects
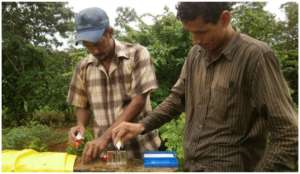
[
  {"x": 120, "y": 52},
  {"x": 228, "y": 51}
]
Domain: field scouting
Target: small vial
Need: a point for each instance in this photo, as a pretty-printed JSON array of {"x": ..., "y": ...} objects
[
  {"x": 122, "y": 157},
  {"x": 116, "y": 158},
  {"x": 111, "y": 157},
  {"x": 79, "y": 136},
  {"x": 119, "y": 144},
  {"x": 78, "y": 140},
  {"x": 103, "y": 156}
]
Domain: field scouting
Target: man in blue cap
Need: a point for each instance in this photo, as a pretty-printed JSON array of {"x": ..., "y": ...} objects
[{"x": 113, "y": 83}]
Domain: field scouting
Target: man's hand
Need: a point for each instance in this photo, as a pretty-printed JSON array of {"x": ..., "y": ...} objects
[
  {"x": 93, "y": 148},
  {"x": 74, "y": 131},
  {"x": 126, "y": 131}
]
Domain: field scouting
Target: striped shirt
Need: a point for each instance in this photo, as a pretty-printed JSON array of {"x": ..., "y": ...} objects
[
  {"x": 233, "y": 102},
  {"x": 107, "y": 94}
]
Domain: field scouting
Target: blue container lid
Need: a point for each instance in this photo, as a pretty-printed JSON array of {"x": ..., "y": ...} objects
[{"x": 160, "y": 159}]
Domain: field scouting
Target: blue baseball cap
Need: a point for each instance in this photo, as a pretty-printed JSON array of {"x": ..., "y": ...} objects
[{"x": 90, "y": 24}]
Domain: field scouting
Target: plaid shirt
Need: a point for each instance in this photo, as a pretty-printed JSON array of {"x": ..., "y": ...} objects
[{"x": 107, "y": 94}]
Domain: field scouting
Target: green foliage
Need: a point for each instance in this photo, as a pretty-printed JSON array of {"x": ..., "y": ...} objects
[
  {"x": 36, "y": 22},
  {"x": 282, "y": 36},
  {"x": 47, "y": 116},
  {"x": 30, "y": 67},
  {"x": 252, "y": 19},
  {"x": 166, "y": 41},
  {"x": 6, "y": 117},
  {"x": 33, "y": 136},
  {"x": 126, "y": 15},
  {"x": 88, "y": 136},
  {"x": 287, "y": 48},
  {"x": 172, "y": 135}
]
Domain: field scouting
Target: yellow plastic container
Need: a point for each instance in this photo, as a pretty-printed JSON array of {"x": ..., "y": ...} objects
[{"x": 28, "y": 160}]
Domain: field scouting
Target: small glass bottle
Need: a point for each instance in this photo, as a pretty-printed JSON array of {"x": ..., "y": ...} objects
[{"x": 78, "y": 140}]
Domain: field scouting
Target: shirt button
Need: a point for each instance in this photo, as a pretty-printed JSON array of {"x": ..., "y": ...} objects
[{"x": 200, "y": 126}]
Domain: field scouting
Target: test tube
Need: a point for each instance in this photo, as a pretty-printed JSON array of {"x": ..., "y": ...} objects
[
  {"x": 123, "y": 157},
  {"x": 117, "y": 157},
  {"x": 110, "y": 157}
]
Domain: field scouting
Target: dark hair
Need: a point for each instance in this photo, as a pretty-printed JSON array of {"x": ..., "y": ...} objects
[{"x": 209, "y": 11}]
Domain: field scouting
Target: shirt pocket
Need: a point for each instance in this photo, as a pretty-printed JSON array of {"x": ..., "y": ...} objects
[
  {"x": 226, "y": 109},
  {"x": 218, "y": 106},
  {"x": 125, "y": 79},
  {"x": 96, "y": 86}
]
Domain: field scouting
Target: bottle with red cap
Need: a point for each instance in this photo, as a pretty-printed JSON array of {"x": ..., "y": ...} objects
[{"x": 78, "y": 140}]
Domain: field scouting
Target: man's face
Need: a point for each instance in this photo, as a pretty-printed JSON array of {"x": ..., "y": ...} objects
[
  {"x": 208, "y": 35},
  {"x": 100, "y": 49}
]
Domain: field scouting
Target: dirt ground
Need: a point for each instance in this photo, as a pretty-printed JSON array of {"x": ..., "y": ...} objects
[{"x": 60, "y": 147}]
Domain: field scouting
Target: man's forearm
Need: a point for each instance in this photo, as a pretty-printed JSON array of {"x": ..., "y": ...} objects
[
  {"x": 170, "y": 108},
  {"x": 83, "y": 116}
]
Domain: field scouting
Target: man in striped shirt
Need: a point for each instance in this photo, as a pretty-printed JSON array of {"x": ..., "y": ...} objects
[
  {"x": 239, "y": 114},
  {"x": 113, "y": 82}
]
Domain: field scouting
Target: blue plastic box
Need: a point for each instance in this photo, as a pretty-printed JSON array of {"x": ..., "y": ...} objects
[{"x": 160, "y": 159}]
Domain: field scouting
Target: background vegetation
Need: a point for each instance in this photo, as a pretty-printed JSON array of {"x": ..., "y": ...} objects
[{"x": 36, "y": 75}]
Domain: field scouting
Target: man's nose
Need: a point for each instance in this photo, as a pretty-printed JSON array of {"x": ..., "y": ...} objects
[{"x": 196, "y": 41}]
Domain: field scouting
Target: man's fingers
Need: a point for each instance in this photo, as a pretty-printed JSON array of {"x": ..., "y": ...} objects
[
  {"x": 116, "y": 130},
  {"x": 89, "y": 153},
  {"x": 127, "y": 137},
  {"x": 95, "y": 151},
  {"x": 72, "y": 133},
  {"x": 114, "y": 133},
  {"x": 71, "y": 136},
  {"x": 84, "y": 153},
  {"x": 81, "y": 130},
  {"x": 75, "y": 130},
  {"x": 120, "y": 126},
  {"x": 121, "y": 133}
]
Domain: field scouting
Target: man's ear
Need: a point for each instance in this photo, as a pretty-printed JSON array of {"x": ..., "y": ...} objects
[
  {"x": 225, "y": 18},
  {"x": 109, "y": 31}
]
